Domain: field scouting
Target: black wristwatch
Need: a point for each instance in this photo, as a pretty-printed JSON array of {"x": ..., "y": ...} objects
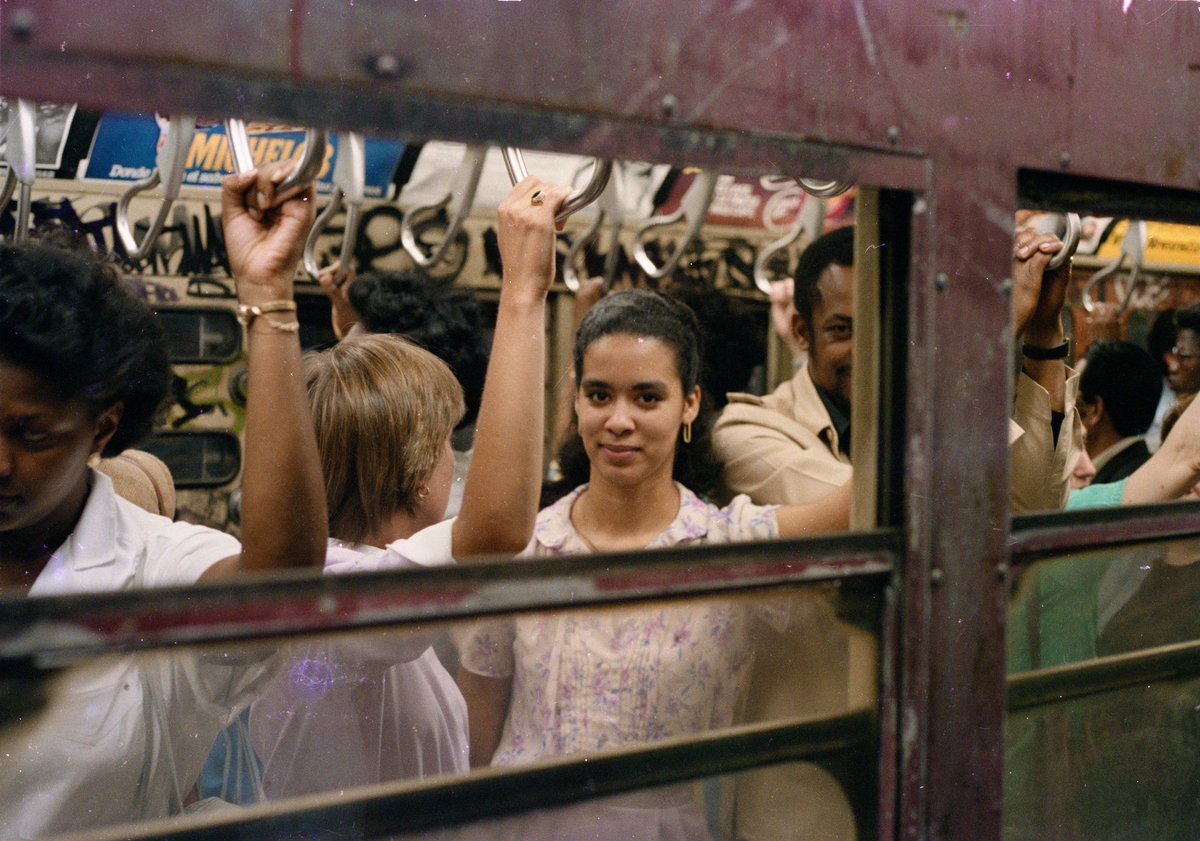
[{"x": 1046, "y": 354}]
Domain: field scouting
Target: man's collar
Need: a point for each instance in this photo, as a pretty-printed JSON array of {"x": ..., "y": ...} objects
[
  {"x": 1112, "y": 451},
  {"x": 839, "y": 416},
  {"x": 92, "y": 541}
]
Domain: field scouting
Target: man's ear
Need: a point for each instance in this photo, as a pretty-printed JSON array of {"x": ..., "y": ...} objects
[
  {"x": 1090, "y": 413},
  {"x": 800, "y": 331},
  {"x": 106, "y": 426}
]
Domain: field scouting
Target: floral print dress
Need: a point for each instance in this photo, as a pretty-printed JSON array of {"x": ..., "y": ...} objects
[{"x": 587, "y": 681}]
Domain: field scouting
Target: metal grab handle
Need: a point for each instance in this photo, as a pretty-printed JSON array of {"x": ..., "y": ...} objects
[
  {"x": 169, "y": 172},
  {"x": 464, "y": 184},
  {"x": 21, "y": 151},
  {"x": 766, "y": 253},
  {"x": 314, "y": 233},
  {"x": 305, "y": 173},
  {"x": 823, "y": 189},
  {"x": 514, "y": 162},
  {"x": 10, "y": 185},
  {"x": 349, "y": 188},
  {"x": 1070, "y": 242},
  {"x": 1133, "y": 247},
  {"x": 694, "y": 206},
  {"x": 610, "y": 208}
]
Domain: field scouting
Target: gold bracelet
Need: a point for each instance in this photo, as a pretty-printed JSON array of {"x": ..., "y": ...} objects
[
  {"x": 281, "y": 327},
  {"x": 246, "y": 313}
]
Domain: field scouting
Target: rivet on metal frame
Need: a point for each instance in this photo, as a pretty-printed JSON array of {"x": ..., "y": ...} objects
[
  {"x": 385, "y": 66},
  {"x": 21, "y": 25}
]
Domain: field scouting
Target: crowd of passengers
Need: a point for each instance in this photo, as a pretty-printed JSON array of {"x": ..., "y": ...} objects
[{"x": 354, "y": 456}]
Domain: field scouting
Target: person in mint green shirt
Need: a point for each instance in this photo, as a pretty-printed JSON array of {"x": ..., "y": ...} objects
[
  {"x": 1054, "y": 618},
  {"x": 1066, "y": 592}
]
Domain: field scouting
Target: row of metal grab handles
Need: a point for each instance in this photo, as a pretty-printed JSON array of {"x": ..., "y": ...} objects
[{"x": 349, "y": 182}]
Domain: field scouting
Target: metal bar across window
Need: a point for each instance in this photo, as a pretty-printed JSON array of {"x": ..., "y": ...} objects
[
  {"x": 1043, "y": 535},
  {"x": 1104, "y": 674},
  {"x": 56, "y": 629},
  {"x": 380, "y": 810}
]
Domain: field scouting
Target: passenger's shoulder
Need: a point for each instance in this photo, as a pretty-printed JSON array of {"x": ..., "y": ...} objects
[
  {"x": 161, "y": 533},
  {"x": 747, "y": 413},
  {"x": 746, "y": 408}
]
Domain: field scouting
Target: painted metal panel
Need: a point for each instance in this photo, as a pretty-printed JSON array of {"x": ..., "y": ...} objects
[{"x": 1001, "y": 85}]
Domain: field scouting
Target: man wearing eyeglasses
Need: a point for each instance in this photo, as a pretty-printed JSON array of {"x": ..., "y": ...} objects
[{"x": 1183, "y": 360}]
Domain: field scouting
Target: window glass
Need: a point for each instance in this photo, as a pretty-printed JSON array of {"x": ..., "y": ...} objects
[
  {"x": 1117, "y": 757},
  {"x": 195, "y": 335},
  {"x": 325, "y": 714},
  {"x": 198, "y": 459}
]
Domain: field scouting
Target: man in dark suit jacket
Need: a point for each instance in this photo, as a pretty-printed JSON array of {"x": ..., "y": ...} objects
[{"x": 1118, "y": 394}]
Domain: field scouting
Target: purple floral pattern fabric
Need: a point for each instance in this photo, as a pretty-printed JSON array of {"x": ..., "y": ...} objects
[{"x": 590, "y": 680}]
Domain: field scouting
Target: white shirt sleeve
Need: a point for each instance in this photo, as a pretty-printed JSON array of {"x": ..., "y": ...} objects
[{"x": 181, "y": 553}]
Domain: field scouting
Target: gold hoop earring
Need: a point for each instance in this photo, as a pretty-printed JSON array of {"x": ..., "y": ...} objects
[
  {"x": 687, "y": 432},
  {"x": 423, "y": 492}
]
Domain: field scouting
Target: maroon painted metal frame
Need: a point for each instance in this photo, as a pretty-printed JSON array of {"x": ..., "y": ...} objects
[{"x": 949, "y": 100}]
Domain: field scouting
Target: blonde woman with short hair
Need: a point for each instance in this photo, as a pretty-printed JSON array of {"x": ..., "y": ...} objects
[{"x": 358, "y": 711}]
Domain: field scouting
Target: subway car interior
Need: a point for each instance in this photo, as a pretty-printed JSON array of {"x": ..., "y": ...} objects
[{"x": 790, "y": 418}]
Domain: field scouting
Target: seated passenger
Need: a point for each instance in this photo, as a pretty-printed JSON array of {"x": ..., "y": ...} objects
[
  {"x": 359, "y": 710},
  {"x": 1183, "y": 359},
  {"x": 564, "y": 684},
  {"x": 1118, "y": 395},
  {"x": 83, "y": 371}
]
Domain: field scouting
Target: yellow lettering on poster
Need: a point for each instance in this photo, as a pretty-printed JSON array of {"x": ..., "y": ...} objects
[
  {"x": 1166, "y": 243},
  {"x": 326, "y": 163},
  {"x": 207, "y": 151},
  {"x": 274, "y": 150}
]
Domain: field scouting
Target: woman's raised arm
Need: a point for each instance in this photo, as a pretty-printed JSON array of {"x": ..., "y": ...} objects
[
  {"x": 1174, "y": 469},
  {"x": 283, "y": 500},
  {"x": 500, "y": 500}
]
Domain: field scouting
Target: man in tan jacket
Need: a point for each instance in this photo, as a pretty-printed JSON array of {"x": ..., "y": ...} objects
[{"x": 793, "y": 446}]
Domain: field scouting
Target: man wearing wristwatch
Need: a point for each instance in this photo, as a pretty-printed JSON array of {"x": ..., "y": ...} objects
[{"x": 793, "y": 446}]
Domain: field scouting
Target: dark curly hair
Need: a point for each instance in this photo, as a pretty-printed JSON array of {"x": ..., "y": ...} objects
[
  {"x": 446, "y": 321},
  {"x": 66, "y": 316},
  {"x": 641, "y": 312}
]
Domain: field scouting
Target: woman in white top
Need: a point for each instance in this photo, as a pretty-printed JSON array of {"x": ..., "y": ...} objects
[
  {"x": 349, "y": 711},
  {"x": 83, "y": 371}
]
